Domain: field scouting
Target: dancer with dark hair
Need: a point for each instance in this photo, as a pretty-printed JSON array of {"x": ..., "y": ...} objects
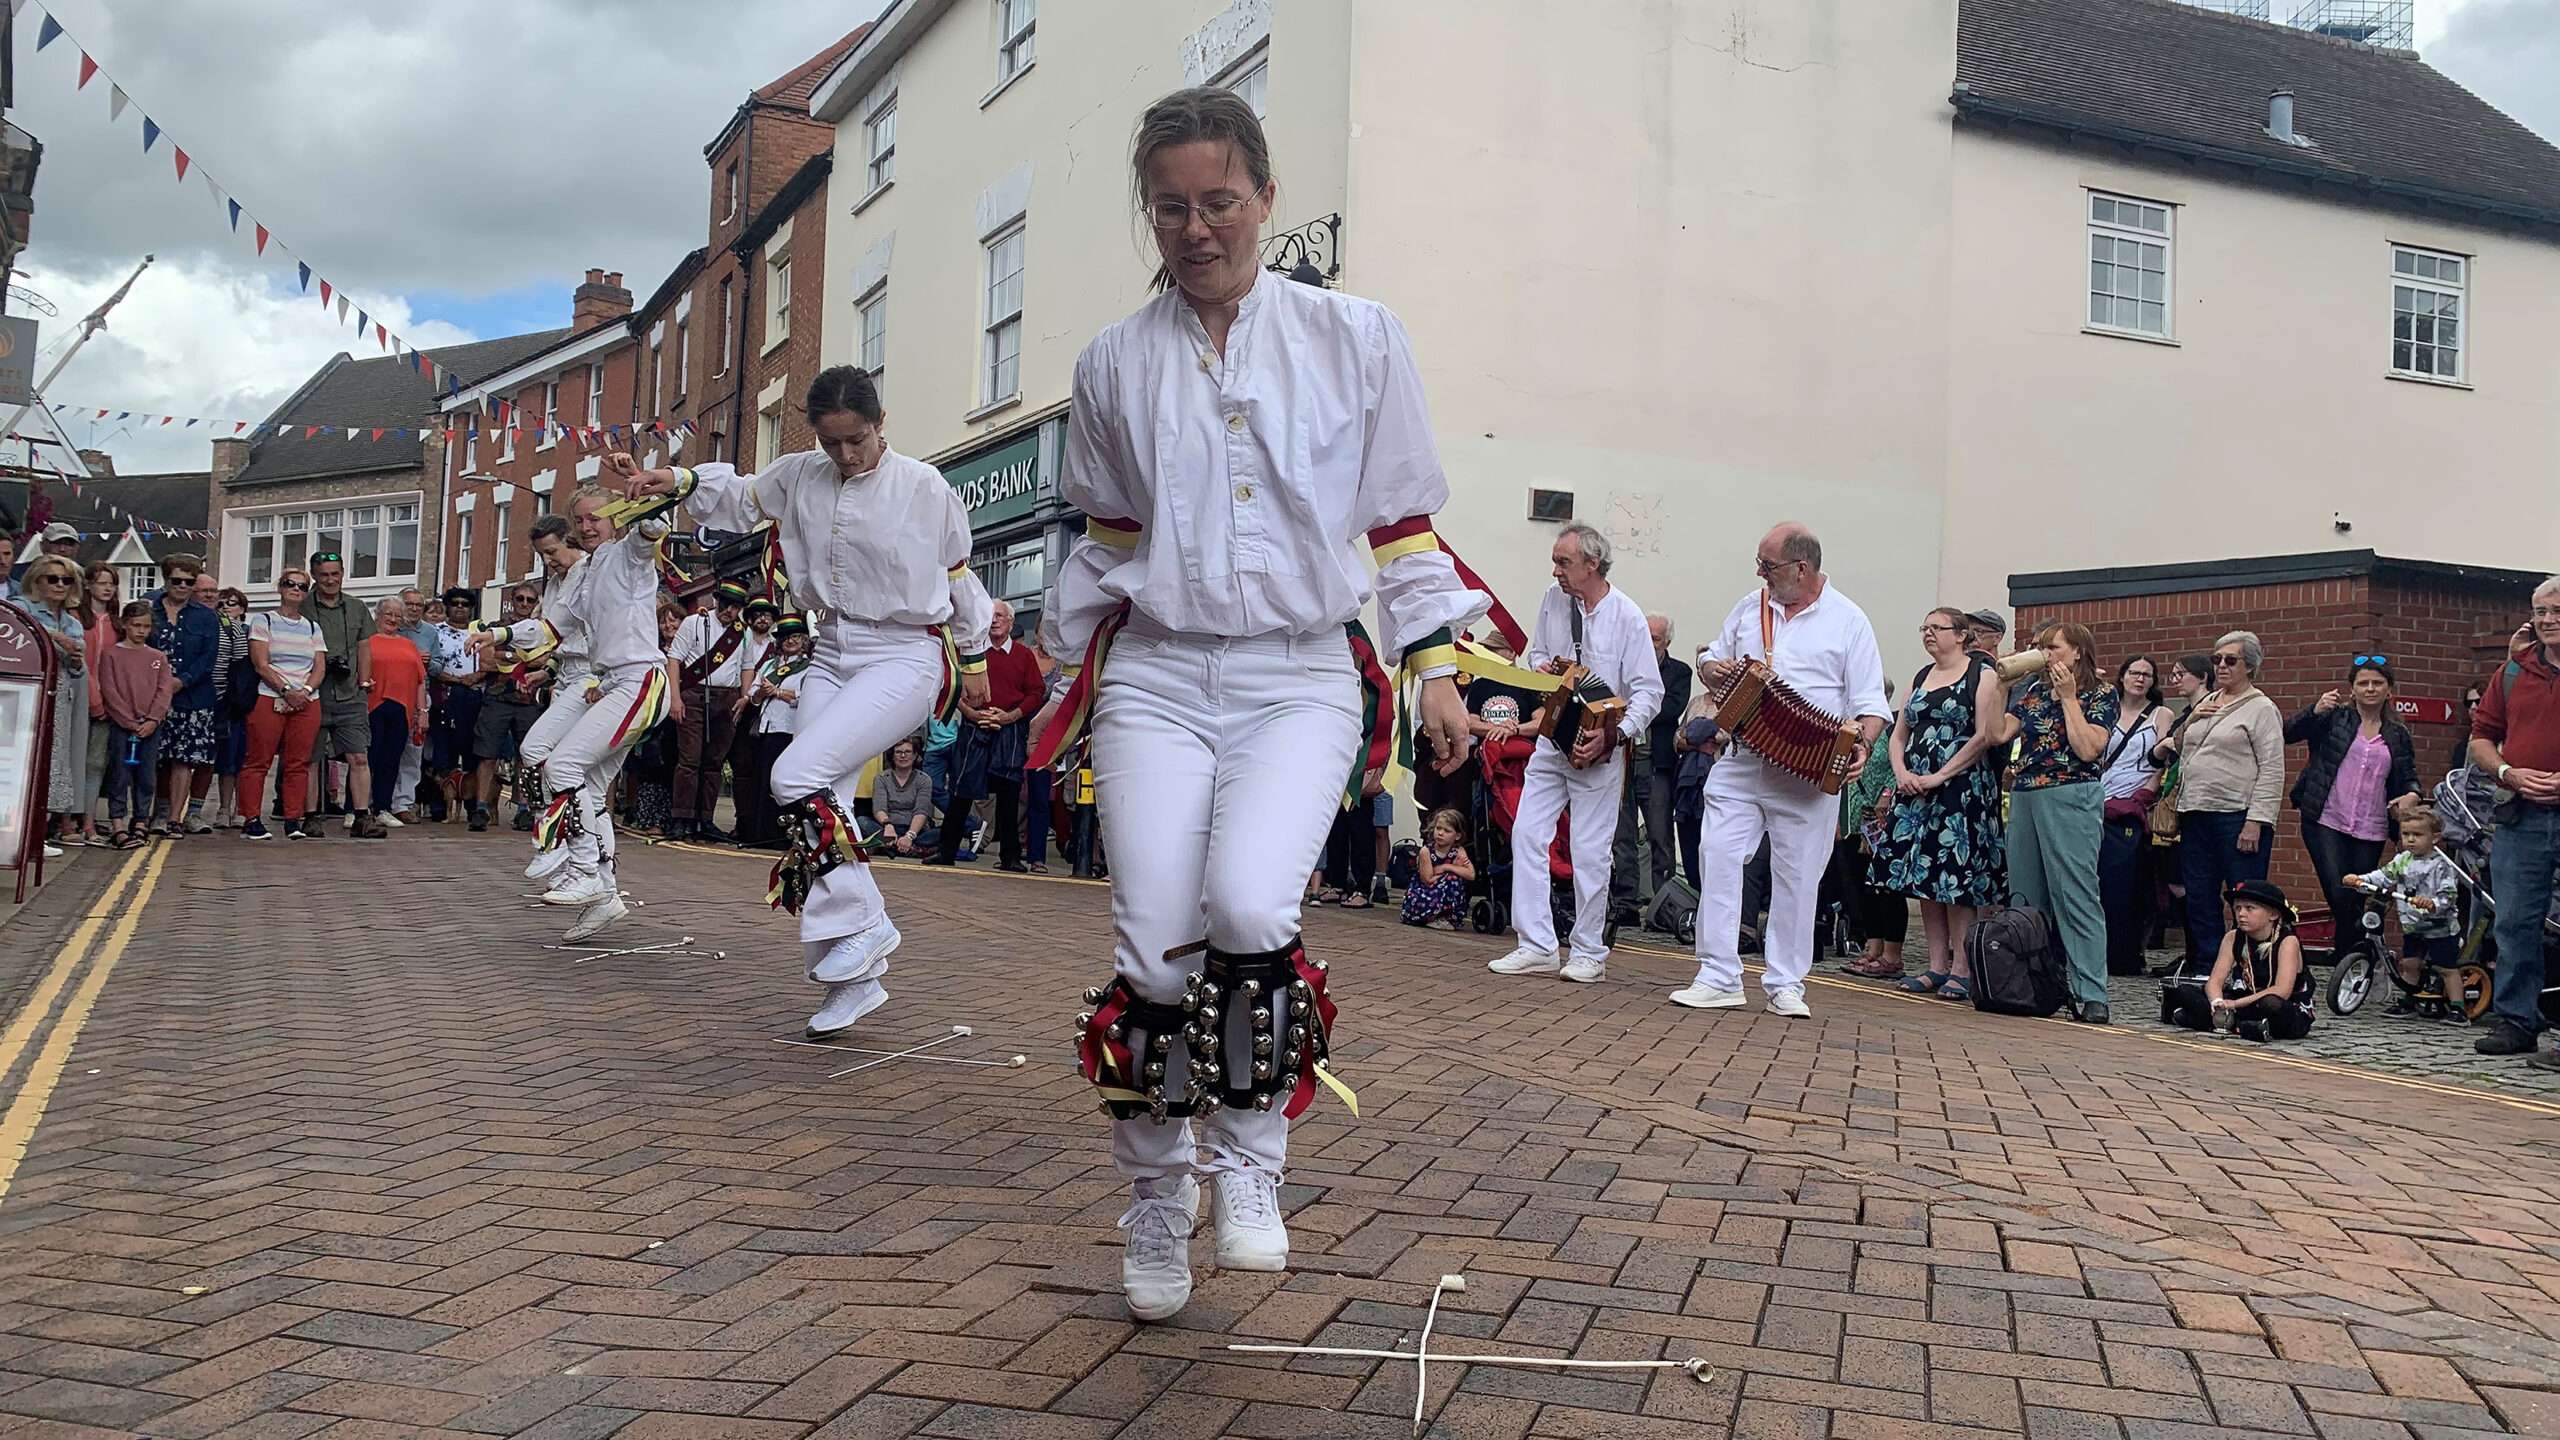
[
  {"x": 876, "y": 547},
  {"x": 1236, "y": 444}
]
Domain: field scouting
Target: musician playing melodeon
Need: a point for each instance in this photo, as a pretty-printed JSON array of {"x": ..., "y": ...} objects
[
  {"x": 1819, "y": 648},
  {"x": 1593, "y": 638}
]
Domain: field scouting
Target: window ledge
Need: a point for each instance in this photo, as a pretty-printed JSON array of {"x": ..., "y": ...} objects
[
  {"x": 876, "y": 192},
  {"x": 775, "y": 344},
  {"x": 2437, "y": 382},
  {"x": 2109, "y": 334},
  {"x": 1007, "y": 83},
  {"x": 992, "y": 407}
]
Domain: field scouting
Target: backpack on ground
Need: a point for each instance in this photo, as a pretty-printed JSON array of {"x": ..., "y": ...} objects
[
  {"x": 1674, "y": 910},
  {"x": 2017, "y": 962}
]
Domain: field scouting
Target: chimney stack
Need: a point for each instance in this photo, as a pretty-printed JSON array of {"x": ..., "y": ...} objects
[
  {"x": 2280, "y": 117},
  {"x": 600, "y": 299},
  {"x": 99, "y": 464}
]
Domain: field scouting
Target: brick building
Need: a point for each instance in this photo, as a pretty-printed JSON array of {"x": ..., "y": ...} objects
[
  {"x": 2444, "y": 627},
  {"x": 508, "y": 464},
  {"x": 731, "y": 339}
]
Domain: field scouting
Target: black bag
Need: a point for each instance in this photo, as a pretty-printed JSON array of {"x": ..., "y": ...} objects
[
  {"x": 1674, "y": 910},
  {"x": 2017, "y": 962}
]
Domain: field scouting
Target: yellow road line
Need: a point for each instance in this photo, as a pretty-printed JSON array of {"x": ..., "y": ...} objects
[
  {"x": 22, "y": 1027},
  {"x": 18, "y": 1126}
]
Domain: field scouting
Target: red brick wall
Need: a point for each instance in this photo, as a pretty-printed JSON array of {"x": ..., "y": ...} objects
[
  {"x": 795, "y": 359},
  {"x": 622, "y": 363},
  {"x": 784, "y": 140},
  {"x": 2440, "y": 635}
]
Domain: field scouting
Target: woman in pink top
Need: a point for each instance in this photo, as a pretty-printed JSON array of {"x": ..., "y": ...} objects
[
  {"x": 101, "y": 586},
  {"x": 2362, "y": 771}
]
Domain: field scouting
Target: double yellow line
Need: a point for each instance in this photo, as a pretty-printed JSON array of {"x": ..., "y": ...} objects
[{"x": 116, "y": 914}]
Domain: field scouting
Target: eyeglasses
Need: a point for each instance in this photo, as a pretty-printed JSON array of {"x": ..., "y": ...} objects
[
  {"x": 53, "y": 579},
  {"x": 2222, "y": 660},
  {"x": 2546, "y": 612},
  {"x": 1217, "y": 214},
  {"x": 1937, "y": 629},
  {"x": 1772, "y": 567},
  {"x": 293, "y": 584},
  {"x": 2362, "y": 661}
]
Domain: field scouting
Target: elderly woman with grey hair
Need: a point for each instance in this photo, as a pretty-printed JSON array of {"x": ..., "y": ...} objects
[{"x": 2230, "y": 781}]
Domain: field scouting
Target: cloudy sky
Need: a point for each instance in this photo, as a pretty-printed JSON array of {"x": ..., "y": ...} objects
[{"x": 457, "y": 167}]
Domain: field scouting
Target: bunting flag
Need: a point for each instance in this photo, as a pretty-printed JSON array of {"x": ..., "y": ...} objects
[
  {"x": 226, "y": 204},
  {"x": 86, "y": 490},
  {"x": 593, "y": 437}
]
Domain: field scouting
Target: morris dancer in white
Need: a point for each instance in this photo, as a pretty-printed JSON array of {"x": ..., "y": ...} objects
[
  {"x": 600, "y": 616},
  {"x": 1819, "y": 642},
  {"x": 877, "y": 548},
  {"x": 1586, "y": 621},
  {"x": 1232, "y": 442}
]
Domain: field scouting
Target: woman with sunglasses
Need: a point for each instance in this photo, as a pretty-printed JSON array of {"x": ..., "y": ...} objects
[
  {"x": 2362, "y": 772},
  {"x": 2230, "y": 750},
  {"x": 290, "y": 655},
  {"x": 51, "y": 590}
]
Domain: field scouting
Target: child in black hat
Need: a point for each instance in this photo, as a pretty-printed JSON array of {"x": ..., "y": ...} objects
[{"x": 2260, "y": 989}]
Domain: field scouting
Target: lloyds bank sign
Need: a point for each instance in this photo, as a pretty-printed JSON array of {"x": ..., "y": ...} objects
[{"x": 1002, "y": 484}]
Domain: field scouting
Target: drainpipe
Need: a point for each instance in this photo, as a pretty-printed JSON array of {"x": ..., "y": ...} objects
[{"x": 746, "y": 297}]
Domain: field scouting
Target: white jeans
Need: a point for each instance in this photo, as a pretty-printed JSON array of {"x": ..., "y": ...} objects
[
  {"x": 1548, "y": 790},
  {"x": 404, "y": 790},
  {"x": 581, "y": 746},
  {"x": 1218, "y": 766},
  {"x": 868, "y": 686},
  {"x": 1746, "y": 798}
]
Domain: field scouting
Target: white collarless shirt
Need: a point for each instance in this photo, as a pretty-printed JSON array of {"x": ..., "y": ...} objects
[
  {"x": 1617, "y": 649},
  {"x": 1256, "y": 475},
  {"x": 890, "y": 545},
  {"x": 1826, "y": 652},
  {"x": 742, "y": 662},
  {"x": 604, "y": 607}
]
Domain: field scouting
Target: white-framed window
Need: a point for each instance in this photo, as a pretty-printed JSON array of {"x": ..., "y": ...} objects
[
  {"x": 296, "y": 530},
  {"x": 140, "y": 581},
  {"x": 262, "y": 549},
  {"x": 2428, "y": 288},
  {"x": 470, "y": 453},
  {"x": 462, "y": 549},
  {"x": 657, "y": 382},
  {"x": 1003, "y": 369},
  {"x": 729, "y": 192},
  {"x": 507, "y": 423},
  {"x": 328, "y": 534},
  {"x": 364, "y": 542},
  {"x": 498, "y": 541},
  {"x": 728, "y": 323},
  {"x": 684, "y": 354},
  {"x": 550, "y": 413},
  {"x": 1250, "y": 77},
  {"x": 2130, "y": 244},
  {"x": 1014, "y": 23},
  {"x": 872, "y": 310},
  {"x": 768, "y": 435},
  {"x": 777, "y": 297},
  {"x": 880, "y": 141},
  {"x": 595, "y": 394},
  {"x": 400, "y": 538}
]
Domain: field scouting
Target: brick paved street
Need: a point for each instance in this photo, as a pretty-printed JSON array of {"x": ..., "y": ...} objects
[{"x": 437, "y": 1180}]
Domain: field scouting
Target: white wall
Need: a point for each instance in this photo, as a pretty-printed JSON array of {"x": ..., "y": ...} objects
[{"x": 2271, "y": 411}]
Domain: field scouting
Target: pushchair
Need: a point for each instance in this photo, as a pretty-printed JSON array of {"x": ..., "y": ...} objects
[
  {"x": 1504, "y": 765},
  {"x": 2463, "y": 800}
]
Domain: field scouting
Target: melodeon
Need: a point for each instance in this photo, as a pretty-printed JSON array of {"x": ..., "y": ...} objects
[
  {"x": 1782, "y": 727},
  {"x": 1578, "y": 705}
]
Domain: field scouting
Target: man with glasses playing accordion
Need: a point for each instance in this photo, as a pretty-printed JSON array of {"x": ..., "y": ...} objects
[{"x": 1800, "y": 686}]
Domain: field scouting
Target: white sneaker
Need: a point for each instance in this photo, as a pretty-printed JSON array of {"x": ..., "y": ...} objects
[
  {"x": 1155, "y": 1266},
  {"x": 383, "y": 818},
  {"x": 1788, "y": 1000},
  {"x": 1586, "y": 971},
  {"x": 547, "y": 863},
  {"x": 859, "y": 956},
  {"x": 1702, "y": 996},
  {"x": 580, "y": 889},
  {"x": 1250, "y": 1235},
  {"x": 1526, "y": 960},
  {"x": 846, "y": 1002},
  {"x": 52, "y": 851},
  {"x": 597, "y": 916}
]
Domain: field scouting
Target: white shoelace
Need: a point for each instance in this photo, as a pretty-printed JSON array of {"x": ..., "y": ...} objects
[
  {"x": 1250, "y": 1198},
  {"x": 1154, "y": 1222}
]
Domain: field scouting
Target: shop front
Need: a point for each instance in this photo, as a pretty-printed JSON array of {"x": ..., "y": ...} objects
[{"x": 1010, "y": 487}]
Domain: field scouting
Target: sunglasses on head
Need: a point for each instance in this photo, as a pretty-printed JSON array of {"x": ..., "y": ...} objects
[{"x": 2362, "y": 661}]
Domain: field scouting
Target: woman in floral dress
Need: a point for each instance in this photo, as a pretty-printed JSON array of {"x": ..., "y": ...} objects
[{"x": 1944, "y": 843}]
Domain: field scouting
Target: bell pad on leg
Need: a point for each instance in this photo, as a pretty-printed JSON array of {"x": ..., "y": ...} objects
[
  {"x": 560, "y": 822},
  {"x": 821, "y": 836},
  {"x": 1148, "y": 1058},
  {"x": 1273, "y": 1021}
]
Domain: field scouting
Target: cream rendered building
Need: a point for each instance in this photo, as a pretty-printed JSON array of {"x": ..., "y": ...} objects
[{"x": 1700, "y": 265}]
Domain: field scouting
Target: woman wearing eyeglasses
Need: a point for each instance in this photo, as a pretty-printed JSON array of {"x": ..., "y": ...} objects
[
  {"x": 2361, "y": 773},
  {"x": 290, "y": 655},
  {"x": 2230, "y": 750},
  {"x": 51, "y": 589}
]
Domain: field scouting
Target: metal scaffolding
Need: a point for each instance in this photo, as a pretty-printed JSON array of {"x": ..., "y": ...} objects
[{"x": 2389, "y": 23}]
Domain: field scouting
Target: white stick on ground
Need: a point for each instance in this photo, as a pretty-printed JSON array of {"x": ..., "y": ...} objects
[
  {"x": 1015, "y": 1062},
  {"x": 910, "y": 1053},
  {"x": 669, "y": 948}
]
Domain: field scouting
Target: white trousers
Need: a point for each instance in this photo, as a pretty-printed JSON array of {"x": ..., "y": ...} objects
[
  {"x": 1218, "y": 766},
  {"x": 868, "y": 686},
  {"x": 1747, "y": 798},
  {"x": 581, "y": 745},
  {"x": 1550, "y": 787},
  {"x": 404, "y": 790}
]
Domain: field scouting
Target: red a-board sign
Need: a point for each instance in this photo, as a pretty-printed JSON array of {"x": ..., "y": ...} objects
[{"x": 2423, "y": 710}]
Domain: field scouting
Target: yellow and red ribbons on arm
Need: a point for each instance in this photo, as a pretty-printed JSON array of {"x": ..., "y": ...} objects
[
  {"x": 1477, "y": 663},
  {"x": 946, "y": 700},
  {"x": 630, "y": 510},
  {"x": 1377, "y": 714},
  {"x": 776, "y": 577},
  {"x": 1075, "y": 708},
  {"x": 1118, "y": 534},
  {"x": 1413, "y": 535}
]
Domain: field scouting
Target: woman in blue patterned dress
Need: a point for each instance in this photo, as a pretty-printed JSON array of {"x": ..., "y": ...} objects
[{"x": 1943, "y": 847}]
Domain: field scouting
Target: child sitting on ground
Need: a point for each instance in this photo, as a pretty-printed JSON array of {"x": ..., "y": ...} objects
[
  {"x": 2260, "y": 988},
  {"x": 2429, "y": 891},
  {"x": 1441, "y": 872}
]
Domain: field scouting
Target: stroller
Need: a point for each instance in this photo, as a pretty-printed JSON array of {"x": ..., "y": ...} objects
[
  {"x": 1505, "y": 767},
  {"x": 2463, "y": 800}
]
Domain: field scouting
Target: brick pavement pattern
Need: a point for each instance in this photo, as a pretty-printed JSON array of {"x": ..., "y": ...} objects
[{"x": 434, "y": 1180}]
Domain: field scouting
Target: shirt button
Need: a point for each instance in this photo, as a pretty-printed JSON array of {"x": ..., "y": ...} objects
[
  {"x": 1204, "y": 363},
  {"x": 1235, "y": 423},
  {"x": 1244, "y": 492}
]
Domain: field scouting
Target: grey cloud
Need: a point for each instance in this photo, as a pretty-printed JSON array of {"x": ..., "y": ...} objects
[{"x": 2508, "y": 53}]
